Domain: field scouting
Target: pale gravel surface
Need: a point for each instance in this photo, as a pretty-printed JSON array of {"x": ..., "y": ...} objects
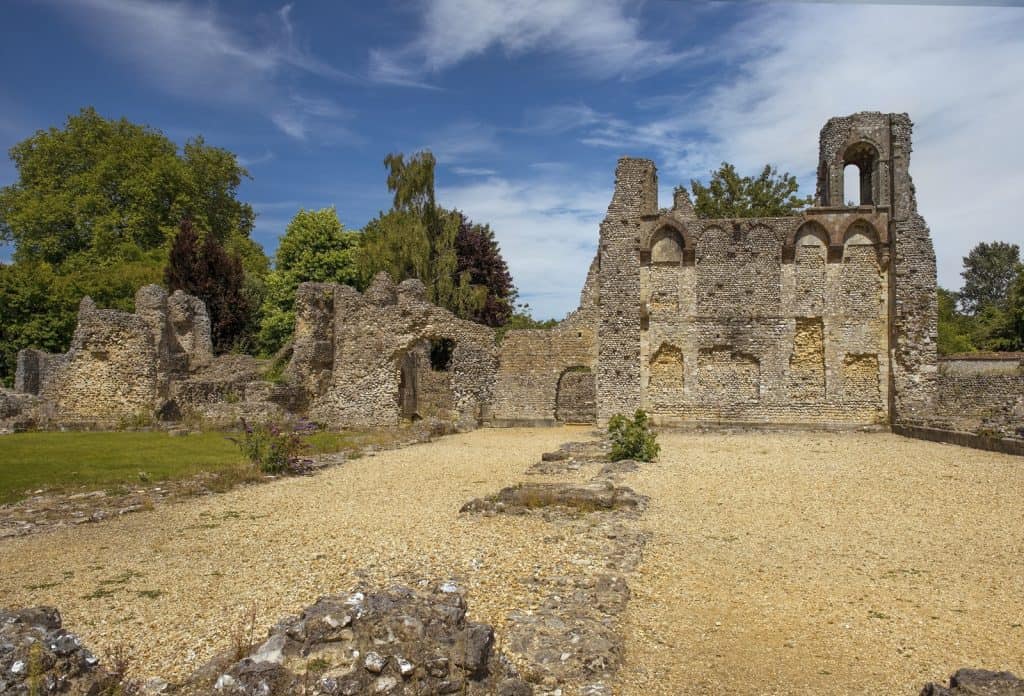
[
  {"x": 812, "y": 563},
  {"x": 793, "y": 563},
  {"x": 388, "y": 518}
]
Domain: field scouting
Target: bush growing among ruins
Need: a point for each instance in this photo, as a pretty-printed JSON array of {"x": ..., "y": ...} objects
[
  {"x": 632, "y": 438},
  {"x": 274, "y": 448},
  {"x": 729, "y": 195}
]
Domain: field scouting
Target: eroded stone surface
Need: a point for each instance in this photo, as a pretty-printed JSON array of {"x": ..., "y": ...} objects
[
  {"x": 977, "y": 682},
  {"x": 401, "y": 641}
]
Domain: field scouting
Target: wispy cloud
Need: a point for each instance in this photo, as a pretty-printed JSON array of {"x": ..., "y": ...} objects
[
  {"x": 547, "y": 229},
  {"x": 192, "y": 51},
  {"x": 462, "y": 141},
  {"x": 946, "y": 66},
  {"x": 597, "y": 36}
]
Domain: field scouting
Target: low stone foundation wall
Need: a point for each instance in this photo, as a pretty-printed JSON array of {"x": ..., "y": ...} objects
[{"x": 953, "y": 437}]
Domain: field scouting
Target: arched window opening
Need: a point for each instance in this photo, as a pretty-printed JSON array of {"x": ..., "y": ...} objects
[
  {"x": 864, "y": 157},
  {"x": 667, "y": 247},
  {"x": 851, "y": 185}
]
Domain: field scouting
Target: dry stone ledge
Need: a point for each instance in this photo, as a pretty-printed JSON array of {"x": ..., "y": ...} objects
[
  {"x": 585, "y": 497},
  {"x": 399, "y": 641},
  {"x": 977, "y": 682},
  {"x": 37, "y": 656}
]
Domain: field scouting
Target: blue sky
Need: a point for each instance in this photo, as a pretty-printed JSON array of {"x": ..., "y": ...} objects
[{"x": 528, "y": 103}]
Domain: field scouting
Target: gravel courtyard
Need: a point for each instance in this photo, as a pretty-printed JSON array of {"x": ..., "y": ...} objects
[
  {"x": 779, "y": 563},
  {"x": 802, "y": 563}
]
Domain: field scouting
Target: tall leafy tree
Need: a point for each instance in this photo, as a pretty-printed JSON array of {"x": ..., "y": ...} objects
[
  {"x": 97, "y": 204},
  {"x": 419, "y": 239},
  {"x": 955, "y": 329},
  {"x": 480, "y": 258},
  {"x": 729, "y": 195},
  {"x": 990, "y": 268},
  {"x": 315, "y": 247},
  {"x": 215, "y": 276}
]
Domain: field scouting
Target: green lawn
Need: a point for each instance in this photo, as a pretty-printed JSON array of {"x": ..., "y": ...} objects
[
  {"x": 46, "y": 460},
  {"x": 30, "y": 461}
]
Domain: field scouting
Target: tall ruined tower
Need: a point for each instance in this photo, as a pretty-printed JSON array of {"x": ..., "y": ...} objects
[
  {"x": 618, "y": 362},
  {"x": 880, "y": 145}
]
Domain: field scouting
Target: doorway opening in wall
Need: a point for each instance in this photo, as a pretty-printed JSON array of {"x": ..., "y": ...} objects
[
  {"x": 576, "y": 396},
  {"x": 441, "y": 350},
  {"x": 408, "y": 396}
]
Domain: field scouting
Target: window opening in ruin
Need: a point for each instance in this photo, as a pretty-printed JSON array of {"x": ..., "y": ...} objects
[
  {"x": 851, "y": 185},
  {"x": 441, "y": 350},
  {"x": 864, "y": 157}
]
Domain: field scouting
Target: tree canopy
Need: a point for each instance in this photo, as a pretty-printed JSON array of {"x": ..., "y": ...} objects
[
  {"x": 106, "y": 186},
  {"x": 458, "y": 261},
  {"x": 990, "y": 269},
  {"x": 988, "y": 312},
  {"x": 94, "y": 211},
  {"x": 729, "y": 195},
  {"x": 314, "y": 248}
]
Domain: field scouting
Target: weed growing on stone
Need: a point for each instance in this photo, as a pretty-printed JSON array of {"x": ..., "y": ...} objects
[{"x": 632, "y": 438}]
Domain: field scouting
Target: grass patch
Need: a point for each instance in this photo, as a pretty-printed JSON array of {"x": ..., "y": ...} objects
[
  {"x": 120, "y": 461},
  {"x": 44, "y": 460}
]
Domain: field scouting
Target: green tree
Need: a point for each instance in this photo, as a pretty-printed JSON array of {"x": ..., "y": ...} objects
[
  {"x": 729, "y": 195},
  {"x": 419, "y": 239},
  {"x": 989, "y": 270},
  {"x": 104, "y": 185},
  {"x": 314, "y": 248},
  {"x": 97, "y": 203},
  {"x": 955, "y": 329},
  {"x": 1013, "y": 326},
  {"x": 215, "y": 276}
]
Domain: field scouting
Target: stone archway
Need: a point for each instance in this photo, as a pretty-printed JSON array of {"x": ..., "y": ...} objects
[{"x": 576, "y": 396}]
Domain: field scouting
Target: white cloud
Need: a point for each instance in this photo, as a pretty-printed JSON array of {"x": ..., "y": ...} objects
[
  {"x": 953, "y": 69},
  {"x": 193, "y": 52},
  {"x": 596, "y": 35},
  {"x": 463, "y": 140},
  {"x": 547, "y": 229}
]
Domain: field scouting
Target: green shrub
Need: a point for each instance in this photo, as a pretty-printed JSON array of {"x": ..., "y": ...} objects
[
  {"x": 272, "y": 448},
  {"x": 632, "y": 438}
]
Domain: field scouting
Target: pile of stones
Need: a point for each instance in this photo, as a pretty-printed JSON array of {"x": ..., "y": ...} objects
[
  {"x": 977, "y": 682},
  {"x": 572, "y": 643},
  {"x": 399, "y": 641},
  {"x": 37, "y": 656}
]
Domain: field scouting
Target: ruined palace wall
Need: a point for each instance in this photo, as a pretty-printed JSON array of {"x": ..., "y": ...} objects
[
  {"x": 774, "y": 320},
  {"x": 530, "y": 366},
  {"x": 979, "y": 401},
  {"x": 536, "y": 367},
  {"x": 110, "y": 374},
  {"x": 373, "y": 333},
  {"x": 120, "y": 365},
  {"x": 618, "y": 365}
]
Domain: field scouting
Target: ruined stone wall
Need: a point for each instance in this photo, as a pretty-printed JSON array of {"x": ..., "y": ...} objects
[
  {"x": 881, "y": 145},
  {"x": 373, "y": 334},
  {"x": 618, "y": 365},
  {"x": 531, "y": 366},
  {"x": 120, "y": 366},
  {"x": 774, "y": 320},
  {"x": 110, "y": 374},
  {"x": 546, "y": 376},
  {"x": 981, "y": 395}
]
